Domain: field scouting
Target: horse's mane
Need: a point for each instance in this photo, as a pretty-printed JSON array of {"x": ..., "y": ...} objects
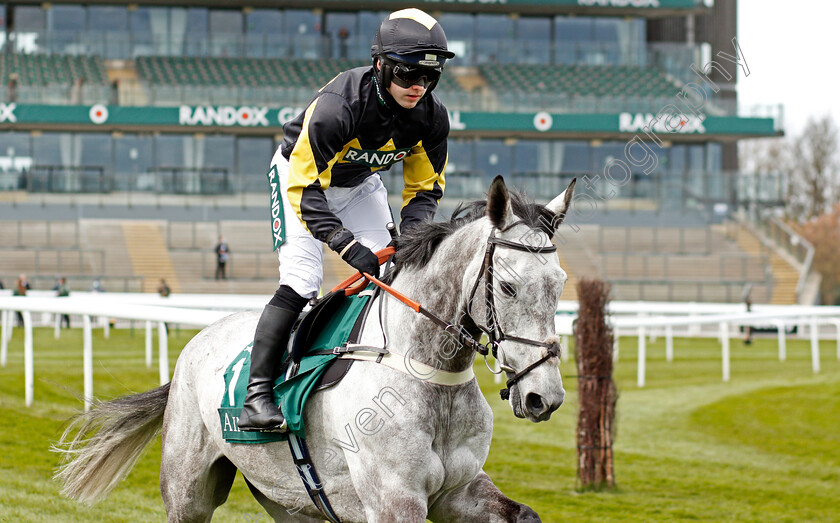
[{"x": 417, "y": 245}]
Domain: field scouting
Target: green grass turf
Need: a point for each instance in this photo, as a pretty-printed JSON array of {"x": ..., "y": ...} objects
[{"x": 763, "y": 447}]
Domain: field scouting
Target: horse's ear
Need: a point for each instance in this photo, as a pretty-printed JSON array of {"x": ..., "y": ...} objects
[
  {"x": 560, "y": 205},
  {"x": 498, "y": 203}
]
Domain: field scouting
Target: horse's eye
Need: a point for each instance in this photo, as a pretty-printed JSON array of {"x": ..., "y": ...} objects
[{"x": 508, "y": 289}]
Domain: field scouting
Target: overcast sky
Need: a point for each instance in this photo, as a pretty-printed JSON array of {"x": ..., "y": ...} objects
[{"x": 791, "y": 48}]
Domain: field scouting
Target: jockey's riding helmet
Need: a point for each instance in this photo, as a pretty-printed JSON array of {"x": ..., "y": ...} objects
[{"x": 411, "y": 48}]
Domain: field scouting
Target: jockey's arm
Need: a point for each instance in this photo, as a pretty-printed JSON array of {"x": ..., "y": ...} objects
[
  {"x": 319, "y": 146},
  {"x": 423, "y": 173}
]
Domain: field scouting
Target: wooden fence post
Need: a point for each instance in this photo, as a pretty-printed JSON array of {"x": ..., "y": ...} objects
[{"x": 597, "y": 392}]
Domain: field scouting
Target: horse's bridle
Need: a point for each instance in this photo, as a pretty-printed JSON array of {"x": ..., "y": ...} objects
[
  {"x": 462, "y": 332},
  {"x": 493, "y": 329}
]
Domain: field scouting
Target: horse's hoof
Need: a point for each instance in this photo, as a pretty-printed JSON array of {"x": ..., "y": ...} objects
[{"x": 527, "y": 515}]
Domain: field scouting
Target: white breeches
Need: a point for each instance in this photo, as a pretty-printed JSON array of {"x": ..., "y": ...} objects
[{"x": 363, "y": 209}]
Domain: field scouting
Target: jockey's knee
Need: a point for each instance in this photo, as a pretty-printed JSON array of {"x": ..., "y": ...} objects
[
  {"x": 303, "y": 279},
  {"x": 287, "y": 298}
]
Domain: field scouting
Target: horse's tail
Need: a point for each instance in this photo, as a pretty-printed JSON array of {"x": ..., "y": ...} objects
[{"x": 108, "y": 441}]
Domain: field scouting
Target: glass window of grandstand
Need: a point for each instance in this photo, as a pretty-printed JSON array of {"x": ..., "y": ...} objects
[
  {"x": 107, "y": 27},
  {"x": 672, "y": 167},
  {"x": 533, "y": 40},
  {"x": 262, "y": 40},
  {"x": 461, "y": 178},
  {"x": 620, "y": 182},
  {"x": 226, "y": 27},
  {"x": 214, "y": 163},
  {"x": 532, "y": 169},
  {"x": 368, "y": 24},
  {"x": 170, "y": 160},
  {"x": 188, "y": 31},
  {"x": 492, "y": 157},
  {"x": 676, "y": 159},
  {"x": 460, "y": 36},
  {"x": 494, "y": 39},
  {"x": 303, "y": 32},
  {"x": 149, "y": 32},
  {"x": 66, "y": 25},
  {"x": 717, "y": 182},
  {"x": 460, "y": 161},
  {"x": 598, "y": 41},
  {"x": 15, "y": 160},
  {"x": 251, "y": 162},
  {"x": 54, "y": 163},
  {"x": 134, "y": 163},
  {"x": 572, "y": 36},
  {"x": 697, "y": 183},
  {"x": 573, "y": 157},
  {"x": 188, "y": 164},
  {"x": 95, "y": 160},
  {"x": 29, "y": 28},
  {"x": 341, "y": 36}
]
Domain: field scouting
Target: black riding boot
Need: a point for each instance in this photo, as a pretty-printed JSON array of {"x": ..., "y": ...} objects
[{"x": 259, "y": 412}]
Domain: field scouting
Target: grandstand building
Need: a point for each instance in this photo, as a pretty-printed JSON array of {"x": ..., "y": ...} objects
[{"x": 169, "y": 101}]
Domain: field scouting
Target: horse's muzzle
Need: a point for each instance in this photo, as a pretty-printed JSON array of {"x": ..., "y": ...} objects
[{"x": 539, "y": 408}]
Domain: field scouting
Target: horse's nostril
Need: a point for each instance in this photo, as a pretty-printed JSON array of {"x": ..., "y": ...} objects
[{"x": 534, "y": 403}]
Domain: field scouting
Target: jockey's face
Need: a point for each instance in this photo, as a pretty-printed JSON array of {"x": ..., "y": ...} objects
[{"x": 407, "y": 97}]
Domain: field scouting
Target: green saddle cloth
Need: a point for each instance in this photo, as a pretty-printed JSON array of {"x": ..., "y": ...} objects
[{"x": 290, "y": 395}]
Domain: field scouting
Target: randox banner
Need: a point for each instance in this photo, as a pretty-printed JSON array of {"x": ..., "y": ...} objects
[
  {"x": 278, "y": 223},
  {"x": 195, "y": 118}
]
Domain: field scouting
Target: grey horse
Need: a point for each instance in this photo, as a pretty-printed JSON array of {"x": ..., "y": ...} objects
[{"x": 389, "y": 446}]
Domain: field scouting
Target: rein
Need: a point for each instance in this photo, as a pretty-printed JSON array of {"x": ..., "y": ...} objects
[{"x": 494, "y": 332}]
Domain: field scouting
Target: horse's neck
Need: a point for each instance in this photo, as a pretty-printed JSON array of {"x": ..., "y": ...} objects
[{"x": 440, "y": 288}]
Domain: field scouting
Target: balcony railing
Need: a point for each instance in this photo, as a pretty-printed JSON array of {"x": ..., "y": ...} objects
[{"x": 698, "y": 189}]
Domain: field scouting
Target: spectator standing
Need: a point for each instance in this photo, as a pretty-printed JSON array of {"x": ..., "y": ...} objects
[
  {"x": 21, "y": 286},
  {"x": 97, "y": 286},
  {"x": 163, "y": 288},
  {"x": 748, "y": 331},
  {"x": 343, "y": 35},
  {"x": 62, "y": 292},
  {"x": 222, "y": 254}
]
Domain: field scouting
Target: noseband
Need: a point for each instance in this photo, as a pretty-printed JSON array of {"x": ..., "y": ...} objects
[{"x": 492, "y": 328}]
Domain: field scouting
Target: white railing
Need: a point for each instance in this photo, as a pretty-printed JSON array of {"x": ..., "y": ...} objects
[
  {"x": 642, "y": 318},
  {"x": 628, "y": 318},
  {"x": 89, "y": 307}
]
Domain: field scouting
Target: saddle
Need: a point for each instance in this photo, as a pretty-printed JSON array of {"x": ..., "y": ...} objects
[
  {"x": 320, "y": 319},
  {"x": 321, "y": 335}
]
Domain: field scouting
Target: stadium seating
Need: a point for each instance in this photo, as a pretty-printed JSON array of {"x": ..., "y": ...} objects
[
  {"x": 580, "y": 80},
  {"x": 248, "y": 72},
  {"x": 673, "y": 263},
  {"x": 49, "y": 70},
  {"x": 654, "y": 263},
  {"x": 253, "y": 72}
]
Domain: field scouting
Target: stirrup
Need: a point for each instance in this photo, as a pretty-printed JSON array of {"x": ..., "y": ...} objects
[{"x": 282, "y": 429}]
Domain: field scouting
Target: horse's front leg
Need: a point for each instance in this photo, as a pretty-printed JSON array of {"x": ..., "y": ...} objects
[
  {"x": 389, "y": 494},
  {"x": 480, "y": 501}
]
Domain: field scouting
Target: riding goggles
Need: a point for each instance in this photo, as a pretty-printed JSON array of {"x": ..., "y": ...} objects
[{"x": 405, "y": 75}]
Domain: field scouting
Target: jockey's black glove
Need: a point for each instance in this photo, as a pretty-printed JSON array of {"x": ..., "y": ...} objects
[
  {"x": 395, "y": 244},
  {"x": 354, "y": 253}
]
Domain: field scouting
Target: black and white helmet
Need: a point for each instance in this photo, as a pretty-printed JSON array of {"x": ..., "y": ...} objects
[{"x": 411, "y": 48}]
